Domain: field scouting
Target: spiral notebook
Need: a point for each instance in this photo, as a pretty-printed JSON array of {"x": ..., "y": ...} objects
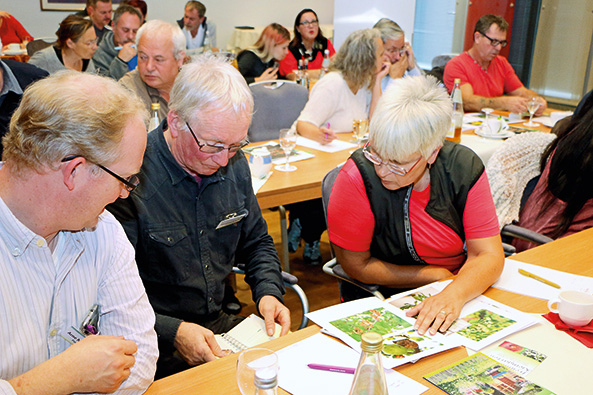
[{"x": 249, "y": 333}]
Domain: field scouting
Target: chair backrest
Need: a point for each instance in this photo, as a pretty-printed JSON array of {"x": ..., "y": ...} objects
[
  {"x": 276, "y": 104},
  {"x": 326, "y": 187},
  {"x": 511, "y": 167},
  {"x": 37, "y": 45}
]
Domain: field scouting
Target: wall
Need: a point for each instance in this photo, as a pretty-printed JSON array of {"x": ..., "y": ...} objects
[{"x": 225, "y": 13}]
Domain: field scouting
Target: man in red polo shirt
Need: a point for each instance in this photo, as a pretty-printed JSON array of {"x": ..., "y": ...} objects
[{"x": 487, "y": 79}]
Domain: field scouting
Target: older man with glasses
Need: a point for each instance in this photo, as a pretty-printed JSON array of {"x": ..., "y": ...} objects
[
  {"x": 487, "y": 79},
  {"x": 75, "y": 316},
  {"x": 194, "y": 216}
]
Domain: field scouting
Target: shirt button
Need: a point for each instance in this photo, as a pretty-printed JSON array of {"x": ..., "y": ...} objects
[
  {"x": 53, "y": 332},
  {"x": 39, "y": 243},
  {"x": 201, "y": 232},
  {"x": 16, "y": 251}
]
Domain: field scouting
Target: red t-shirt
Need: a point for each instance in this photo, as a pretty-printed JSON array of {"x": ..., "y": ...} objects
[
  {"x": 352, "y": 223},
  {"x": 12, "y": 32},
  {"x": 289, "y": 63},
  {"x": 500, "y": 78}
]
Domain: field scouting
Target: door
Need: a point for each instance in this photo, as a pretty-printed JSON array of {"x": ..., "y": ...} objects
[{"x": 478, "y": 8}]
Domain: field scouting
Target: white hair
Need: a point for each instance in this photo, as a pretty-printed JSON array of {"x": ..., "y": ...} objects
[
  {"x": 157, "y": 29},
  {"x": 413, "y": 115},
  {"x": 209, "y": 83},
  {"x": 389, "y": 29}
]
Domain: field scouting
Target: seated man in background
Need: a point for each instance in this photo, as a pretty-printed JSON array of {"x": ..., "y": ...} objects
[
  {"x": 424, "y": 210},
  {"x": 195, "y": 28},
  {"x": 195, "y": 216},
  {"x": 398, "y": 51},
  {"x": 487, "y": 79},
  {"x": 161, "y": 52},
  {"x": 118, "y": 46},
  {"x": 14, "y": 78},
  {"x": 75, "y": 316},
  {"x": 99, "y": 11},
  {"x": 12, "y": 32}
]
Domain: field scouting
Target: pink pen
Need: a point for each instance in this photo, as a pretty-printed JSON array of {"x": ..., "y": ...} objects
[
  {"x": 331, "y": 368},
  {"x": 326, "y": 134}
]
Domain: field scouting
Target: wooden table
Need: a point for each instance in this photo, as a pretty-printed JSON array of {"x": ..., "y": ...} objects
[{"x": 570, "y": 254}]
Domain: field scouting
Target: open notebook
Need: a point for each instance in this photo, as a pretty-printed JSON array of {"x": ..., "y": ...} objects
[{"x": 249, "y": 333}]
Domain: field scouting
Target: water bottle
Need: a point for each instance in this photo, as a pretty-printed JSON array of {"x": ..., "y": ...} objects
[
  {"x": 454, "y": 133},
  {"x": 207, "y": 47},
  {"x": 154, "y": 119},
  {"x": 266, "y": 382},
  {"x": 369, "y": 377}
]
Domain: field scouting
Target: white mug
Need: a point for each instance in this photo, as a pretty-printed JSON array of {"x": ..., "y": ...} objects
[
  {"x": 260, "y": 162},
  {"x": 574, "y": 307},
  {"x": 496, "y": 125}
]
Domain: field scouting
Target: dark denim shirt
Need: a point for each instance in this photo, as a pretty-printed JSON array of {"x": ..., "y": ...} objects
[{"x": 171, "y": 220}]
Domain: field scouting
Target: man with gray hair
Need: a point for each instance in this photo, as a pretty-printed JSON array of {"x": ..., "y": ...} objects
[
  {"x": 161, "y": 52},
  {"x": 399, "y": 52},
  {"x": 75, "y": 316},
  {"x": 195, "y": 216},
  {"x": 117, "y": 47}
]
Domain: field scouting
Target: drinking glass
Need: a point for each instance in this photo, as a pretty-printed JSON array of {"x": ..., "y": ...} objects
[
  {"x": 360, "y": 128},
  {"x": 249, "y": 362},
  {"x": 288, "y": 138},
  {"x": 487, "y": 111},
  {"x": 532, "y": 106}
]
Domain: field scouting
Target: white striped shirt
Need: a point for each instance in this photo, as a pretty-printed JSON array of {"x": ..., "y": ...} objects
[{"x": 43, "y": 295}]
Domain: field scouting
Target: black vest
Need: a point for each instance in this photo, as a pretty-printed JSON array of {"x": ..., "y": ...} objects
[{"x": 454, "y": 173}]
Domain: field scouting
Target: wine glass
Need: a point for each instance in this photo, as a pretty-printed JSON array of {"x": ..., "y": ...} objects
[
  {"x": 487, "y": 111},
  {"x": 288, "y": 138},
  {"x": 361, "y": 127},
  {"x": 532, "y": 106},
  {"x": 249, "y": 362}
]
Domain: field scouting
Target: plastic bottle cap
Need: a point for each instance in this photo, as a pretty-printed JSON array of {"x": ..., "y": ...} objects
[
  {"x": 457, "y": 80},
  {"x": 371, "y": 342},
  {"x": 156, "y": 106}
]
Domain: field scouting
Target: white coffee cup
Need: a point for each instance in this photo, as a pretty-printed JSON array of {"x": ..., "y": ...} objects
[
  {"x": 574, "y": 307},
  {"x": 14, "y": 47},
  {"x": 496, "y": 125}
]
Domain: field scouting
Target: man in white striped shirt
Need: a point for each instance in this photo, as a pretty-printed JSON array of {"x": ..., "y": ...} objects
[{"x": 74, "y": 316}]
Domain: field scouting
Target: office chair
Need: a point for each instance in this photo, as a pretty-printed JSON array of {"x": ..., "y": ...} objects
[
  {"x": 289, "y": 281},
  {"x": 332, "y": 267},
  {"x": 276, "y": 105},
  {"x": 37, "y": 45}
]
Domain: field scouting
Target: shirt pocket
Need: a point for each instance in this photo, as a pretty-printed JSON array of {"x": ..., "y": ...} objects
[{"x": 171, "y": 253}]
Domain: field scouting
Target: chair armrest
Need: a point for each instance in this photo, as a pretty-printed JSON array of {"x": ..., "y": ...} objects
[
  {"x": 525, "y": 234},
  {"x": 333, "y": 268}
]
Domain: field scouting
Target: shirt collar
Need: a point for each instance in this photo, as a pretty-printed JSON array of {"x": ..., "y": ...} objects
[
  {"x": 16, "y": 236},
  {"x": 10, "y": 81}
]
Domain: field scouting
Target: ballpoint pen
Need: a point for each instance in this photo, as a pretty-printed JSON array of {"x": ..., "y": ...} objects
[
  {"x": 326, "y": 134},
  {"x": 538, "y": 278},
  {"x": 331, "y": 368}
]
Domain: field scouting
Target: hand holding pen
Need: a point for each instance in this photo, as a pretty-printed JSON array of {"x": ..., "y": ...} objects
[{"x": 328, "y": 134}]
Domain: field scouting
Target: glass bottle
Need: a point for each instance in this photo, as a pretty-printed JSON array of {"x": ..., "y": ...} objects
[
  {"x": 154, "y": 119},
  {"x": 266, "y": 382},
  {"x": 207, "y": 47},
  {"x": 369, "y": 377},
  {"x": 324, "y": 64},
  {"x": 454, "y": 133}
]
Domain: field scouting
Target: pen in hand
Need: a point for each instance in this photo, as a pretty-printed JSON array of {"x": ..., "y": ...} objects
[{"x": 327, "y": 127}]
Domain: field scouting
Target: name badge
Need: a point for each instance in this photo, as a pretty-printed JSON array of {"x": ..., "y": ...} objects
[{"x": 232, "y": 218}]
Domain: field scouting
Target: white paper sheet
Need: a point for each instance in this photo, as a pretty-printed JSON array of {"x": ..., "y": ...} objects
[
  {"x": 295, "y": 377},
  {"x": 511, "y": 280},
  {"x": 334, "y": 146},
  {"x": 257, "y": 183}
]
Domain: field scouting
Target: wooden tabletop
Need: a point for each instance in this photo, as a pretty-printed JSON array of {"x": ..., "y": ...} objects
[{"x": 570, "y": 254}]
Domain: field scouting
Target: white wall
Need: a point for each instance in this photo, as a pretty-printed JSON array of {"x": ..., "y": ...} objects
[{"x": 225, "y": 13}]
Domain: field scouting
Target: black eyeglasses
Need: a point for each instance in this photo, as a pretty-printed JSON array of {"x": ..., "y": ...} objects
[
  {"x": 130, "y": 183},
  {"x": 494, "y": 42},
  {"x": 214, "y": 149},
  {"x": 305, "y": 23}
]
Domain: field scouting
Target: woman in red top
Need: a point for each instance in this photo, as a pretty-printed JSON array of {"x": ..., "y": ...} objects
[
  {"x": 410, "y": 208},
  {"x": 308, "y": 43},
  {"x": 12, "y": 32}
]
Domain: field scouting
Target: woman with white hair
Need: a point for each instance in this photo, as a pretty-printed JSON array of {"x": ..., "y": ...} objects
[{"x": 410, "y": 208}]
